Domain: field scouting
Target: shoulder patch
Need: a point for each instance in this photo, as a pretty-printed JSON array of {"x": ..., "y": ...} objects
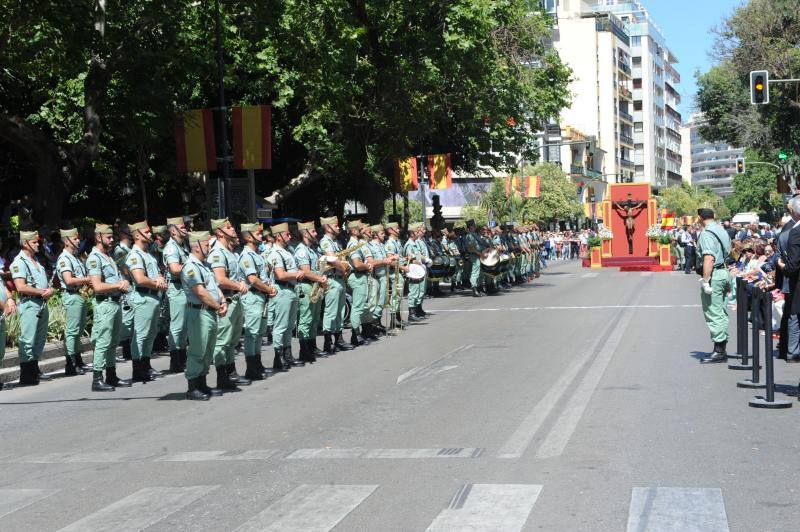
[
  {"x": 134, "y": 260},
  {"x": 247, "y": 264},
  {"x": 190, "y": 272},
  {"x": 62, "y": 264},
  {"x": 93, "y": 264},
  {"x": 15, "y": 269}
]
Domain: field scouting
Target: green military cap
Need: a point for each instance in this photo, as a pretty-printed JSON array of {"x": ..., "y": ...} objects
[
  {"x": 328, "y": 221},
  {"x": 103, "y": 229},
  {"x": 416, "y": 226},
  {"x": 199, "y": 236},
  {"x": 375, "y": 228},
  {"x": 355, "y": 224},
  {"x": 138, "y": 226},
  {"x": 178, "y": 220},
  {"x": 249, "y": 228},
  {"x": 393, "y": 225},
  {"x": 305, "y": 226},
  {"x": 219, "y": 223},
  {"x": 69, "y": 233},
  {"x": 470, "y": 222},
  {"x": 27, "y": 236},
  {"x": 159, "y": 229},
  {"x": 280, "y": 228}
]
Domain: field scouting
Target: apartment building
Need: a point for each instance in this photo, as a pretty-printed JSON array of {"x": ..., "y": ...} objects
[{"x": 712, "y": 164}]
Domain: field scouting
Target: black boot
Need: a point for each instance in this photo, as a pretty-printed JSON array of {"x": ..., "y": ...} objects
[
  {"x": 27, "y": 377},
  {"x": 40, "y": 374},
  {"x": 154, "y": 373},
  {"x": 420, "y": 312},
  {"x": 175, "y": 361},
  {"x": 69, "y": 368},
  {"x": 206, "y": 389},
  {"x": 113, "y": 380},
  {"x": 328, "y": 348},
  {"x": 265, "y": 372},
  {"x": 340, "y": 344},
  {"x": 277, "y": 363},
  {"x": 368, "y": 332},
  {"x": 253, "y": 372},
  {"x": 97, "y": 383},
  {"x": 356, "y": 339},
  {"x": 718, "y": 356},
  {"x": 377, "y": 328},
  {"x": 223, "y": 382},
  {"x": 160, "y": 344},
  {"x": 313, "y": 344},
  {"x": 195, "y": 393},
  {"x": 140, "y": 373},
  {"x": 126, "y": 349},
  {"x": 306, "y": 352},
  {"x": 79, "y": 363},
  {"x": 475, "y": 292},
  {"x": 182, "y": 360},
  {"x": 269, "y": 335},
  {"x": 288, "y": 358},
  {"x": 412, "y": 315},
  {"x": 235, "y": 377}
]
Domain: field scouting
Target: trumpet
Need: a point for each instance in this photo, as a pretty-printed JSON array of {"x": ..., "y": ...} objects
[
  {"x": 324, "y": 266},
  {"x": 86, "y": 292}
]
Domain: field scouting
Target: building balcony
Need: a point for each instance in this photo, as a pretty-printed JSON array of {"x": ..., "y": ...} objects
[
  {"x": 625, "y": 163},
  {"x": 595, "y": 174},
  {"x": 625, "y": 93},
  {"x": 625, "y": 68},
  {"x": 625, "y": 116},
  {"x": 625, "y": 139},
  {"x": 576, "y": 169}
]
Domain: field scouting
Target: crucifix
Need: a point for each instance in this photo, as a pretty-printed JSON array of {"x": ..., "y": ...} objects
[{"x": 628, "y": 210}]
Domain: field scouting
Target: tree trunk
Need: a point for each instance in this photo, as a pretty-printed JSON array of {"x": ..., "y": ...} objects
[{"x": 306, "y": 177}]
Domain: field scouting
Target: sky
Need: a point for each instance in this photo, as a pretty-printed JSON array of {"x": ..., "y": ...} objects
[{"x": 686, "y": 25}]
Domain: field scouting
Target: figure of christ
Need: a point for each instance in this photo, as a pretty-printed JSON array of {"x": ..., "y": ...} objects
[{"x": 628, "y": 210}]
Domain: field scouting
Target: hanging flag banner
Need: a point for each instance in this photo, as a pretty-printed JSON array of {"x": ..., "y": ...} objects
[
  {"x": 194, "y": 141},
  {"x": 598, "y": 211},
  {"x": 512, "y": 183},
  {"x": 668, "y": 220},
  {"x": 252, "y": 137},
  {"x": 441, "y": 174},
  {"x": 587, "y": 210},
  {"x": 533, "y": 186},
  {"x": 405, "y": 175}
]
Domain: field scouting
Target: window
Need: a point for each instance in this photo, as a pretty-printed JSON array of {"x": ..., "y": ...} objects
[
  {"x": 637, "y": 61},
  {"x": 638, "y": 126},
  {"x": 637, "y": 105},
  {"x": 637, "y": 83},
  {"x": 636, "y": 41}
]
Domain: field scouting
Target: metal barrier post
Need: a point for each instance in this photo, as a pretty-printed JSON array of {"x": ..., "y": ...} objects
[
  {"x": 756, "y": 314},
  {"x": 741, "y": 328},
  {"x": 768, "y": 401}
]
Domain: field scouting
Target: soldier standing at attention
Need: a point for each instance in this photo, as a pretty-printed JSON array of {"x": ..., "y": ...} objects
[
  {"x": 160, "y": 238},
  {"x": 336, "y": 291},
  {"x": 120, "y": 256},
  {"x": 286, "y": 275},
  {"x": 307, "y": 255},
  {"x": 411, "y": 251},
  {"x": 108, "y": 285},
  {"x": 72, "y": 276},
  {"x": 174, "y": 256},
  {"x": 394, "y": 248},
  {"x": 380, "y": 262},
  {"x": 358, "y": 282},
  {"x": 149, "y": 287},
  {"x": 367, "y": 329},
  {"x": 204, "y": 306},
  {"x": 225, "y": 265},
  {"x": 30, "y": 280},
  {"x": 473, "y": 248},
  {"x": 425, "y": 255},
  {"x": 254, "y": 269},
  {"x": 7, "y": 307}
]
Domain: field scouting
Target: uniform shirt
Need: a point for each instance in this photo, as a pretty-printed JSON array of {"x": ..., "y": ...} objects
[
  {"x": 472, "y": 244},
  {"x": 423, "y": 248},
  {"x": 280, "y": 258},
  {"x": 121, "y": 255},
  {"x": 98, "y": 263},
  {"x": 411, "y": 249},
  {"x": 377, "y": 252},
  {"x": 220, "y": 257},
  {"x": 174, "y": 253},
  {"x": 68, "y": 263},
  {"x": 452, "y": 247},
  {"x": 393, "y": 247},
  {"x": 196, "y": 273},
  {"x": 708, "y": 245},
  {"x": 23, "y": 267},
  {"x": 142, "y": 260},
  {"x": 251, "y": 263},
  {"x": 360, "y": 254},
  {"x": 329, "y": 245},
  {"x": 307, "y": 256}
]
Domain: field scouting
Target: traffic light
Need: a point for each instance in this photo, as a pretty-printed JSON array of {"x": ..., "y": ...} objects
[
  {"x": 740, "y": 168},
  {"x": 783, "y": 155},
  {"x": 591, "y": 146},
  {"x": 759, "y": 87}
]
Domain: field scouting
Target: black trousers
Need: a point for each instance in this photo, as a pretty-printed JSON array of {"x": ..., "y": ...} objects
[{"x": 690, "y": 254}]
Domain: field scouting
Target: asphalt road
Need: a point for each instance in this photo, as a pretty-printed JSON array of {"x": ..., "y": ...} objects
[{"x": 573, "y": 404}]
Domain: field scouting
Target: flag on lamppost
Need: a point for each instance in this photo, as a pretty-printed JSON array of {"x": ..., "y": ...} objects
[
  {"x": 533, "y": 184},
  {"x": 194, "y": 141},
  {"x": 405, "y": 175},
  {"x": 512, "y": 183},
  {"x": 439, "y": 169},
  {"x": 252, "y": 137}
]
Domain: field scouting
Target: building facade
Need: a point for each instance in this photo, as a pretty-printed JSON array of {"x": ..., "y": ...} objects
[{"x": 713, "y": 164}]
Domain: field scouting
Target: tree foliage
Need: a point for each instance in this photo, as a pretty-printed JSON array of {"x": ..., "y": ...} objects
[
  {"x": 755, "y": 190},
  {"x": 684, "y": 200}
]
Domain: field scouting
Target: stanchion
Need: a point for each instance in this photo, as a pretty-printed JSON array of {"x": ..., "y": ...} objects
[
  {"x": 741, "y": 328},
  {"x": 768, "y": 401},
  {"x": 756, "y": 314}
]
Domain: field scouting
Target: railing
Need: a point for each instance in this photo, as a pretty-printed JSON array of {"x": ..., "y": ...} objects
[
  {"x": 575, "y": 169},
  {"x": 626, "y": 139},
  {"x": 625, "y": 68},
  {"x": 625, "y": 92},
  {"x": 625, "y": 116},
  {"x": 626, "y": 163},
  {"x": 594, "y": 173}
]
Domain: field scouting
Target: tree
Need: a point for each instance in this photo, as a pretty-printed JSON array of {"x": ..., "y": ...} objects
[
  {"x": 477, "y": 213},
  {"x": 559, "y": 196},
  {"x": 684, "y": 200},
  {"x": 755, "y": 190},
  {"x": 414, "y": 210}
]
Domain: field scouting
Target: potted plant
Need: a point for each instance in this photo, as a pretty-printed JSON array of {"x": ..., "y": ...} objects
[
  {"x": 606, "y": 236},
  {"x": 595, "y": 252},
  {"x": 664, "y": 255},
  {"x": 653, "y": 234}
]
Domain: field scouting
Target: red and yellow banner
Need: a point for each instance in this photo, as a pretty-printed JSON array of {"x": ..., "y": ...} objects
[
  {"x": 405, "y": 175},
  {"x": 668, "y": 220},
  {"x": 512, "y": 183},
  {"x": 533, "y": 184},
  {"x": 252, "y": 137},
  {"x": 587, "y": 210},
  {"x": 599, "y": 211},
  {"x": 194, "y": 141},
  {"x": 441, "y": 174}
]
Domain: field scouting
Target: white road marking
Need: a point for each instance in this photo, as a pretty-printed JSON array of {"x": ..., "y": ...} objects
[
  {"x": 589, "y": 275},
  {"x": 487, "y": 507},
  {"x": 140, "y": 510},
  {"x": 306, "y": 454},
  {"x": 590, "y": 307},
  {"x": 356, "y": 453},
  {"x": 564, "y": 427},
  {"x": 309, "y": 508},
  {"x": 647, "y": 274},
  {"x": 677, "y": 510},
  {"x": 12, "y": 500},
  {"x": 435, "y": 367}
]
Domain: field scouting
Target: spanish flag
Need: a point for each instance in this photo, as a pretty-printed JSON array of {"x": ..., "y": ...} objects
[
  {"x": 405, "y": 175},
  {"x": 668, "y": 220},
  {"x": 440, "y": 171},
  {"x": 252, "y": 137},
  {"x": 194, "y": 141},
  {"x": 512, "y": 183},
  {"x": 587, "y": 210},
  {"x": 533, "y": 186}
]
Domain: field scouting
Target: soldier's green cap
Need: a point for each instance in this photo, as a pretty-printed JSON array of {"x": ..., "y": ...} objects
[
  {"x": 27, "y": 236},
  {"x": 249, "y": 228},
  {"x": 199, "y": 236},
  {"x": 355, "y": 224},
  {"x": 375, "y": 228},
  {"x": 69, "y": 233},
  {"x": 178, "y": 220},
  {"x": 470, "y": 222},
  {"x": 416, "y": 226},
  {"x": 103, "y": 229},
  {"x": 280, "y": 228},
  {"x": 138, "y": 226},
  {"x": 393, "y": 225},
  {"x": 219, "y": 223},
  {"x": 159, "y": 229},
  {"x": 305, "y": 226},
  {"x": 328, "y": 221}
]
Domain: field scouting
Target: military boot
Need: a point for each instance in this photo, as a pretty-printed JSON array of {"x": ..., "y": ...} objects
[
  {"x": 369, "y": 332},
  {"x": 39, "y": 373},
  {"x": 27, "y": 377},
  {"x": 140, "y": 373},
  {"x": 235, "y": 377},
  {"x": 126, "y": 350},
  {"x": 206, "y": 389},
  {"x": 339, "y": 344},
  {"x": 194, "y": 393},
  {"x": 223, "y": 382},
  {"x": 175, "y": 361},
  {"x": 182, "y": 360},
  {"x": 253, "y": 372},
  {"x": 154, "y": 373},
  {"x": 356, "y": 339},
  {"x": 277, "y": 363},
  {"x": 79, "y": 363},
  {"x": 69, "y": 368},
  {"x": 288, "y": 358},
  {"x": 113, "y": 380},
  {"x": 328, "y": 348},
  {"x": 98, "y": 385},
  {"x": 306, "y": 352}
]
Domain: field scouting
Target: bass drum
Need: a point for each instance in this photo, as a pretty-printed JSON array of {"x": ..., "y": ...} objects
[
  {"x": 416, "y": 273},
  {"x": 504, "y": 262},
  {"x": 490, "y": 263},
  {"x": 440, "y": 269}
]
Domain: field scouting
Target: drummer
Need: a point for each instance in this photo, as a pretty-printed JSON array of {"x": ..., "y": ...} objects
[
  {"x": 439, "y": 260},
  {"x": 473, "y": 244},
  {"x": 413, "y": 255},
  {"x": 454, "y": 255}
]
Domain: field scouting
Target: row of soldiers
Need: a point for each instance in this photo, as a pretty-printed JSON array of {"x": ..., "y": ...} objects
[{"x": 217, "y": 288}]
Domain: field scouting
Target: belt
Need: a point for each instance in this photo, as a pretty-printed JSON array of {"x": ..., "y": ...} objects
[
  {"x": 306, "y": 281},
  {"x": 284, "y": 284},
  {"x": 35, "y": 299},
  {"x": 100, "y": 299},
  {"x": 147, "y": 291},
  {"x": 200, "y": 307},
  {"x": 231, "y": 294},
  {"x": 177, "y": 283},
  {"x": 719, "y": 266}
]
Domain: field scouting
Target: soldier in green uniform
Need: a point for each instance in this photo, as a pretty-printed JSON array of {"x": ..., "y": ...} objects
[
  {"x": 307, "y": 256},
  {"x": 286, "y": 276},
  {"x": 72, "y": 276},
  {"x": 394, "y": 250},
  {"x": 714, "y": 245},
  {"x": 450, "y": 245},
  {"x": 380, "y": 262},
  {"x": 411, "y": 251},
  {"x": 472, "y": 245},
  {"x": 30, "y": 281},
  {"x": 120, "y": 256},
  {"x": 225, "y": 265},
  {"x": 160, "y": 239},
  {"x": 7, "y": 307},
  {"x": 425, "y": 253},
  {"x": 336, "y": 292},
  {"x": 108, "y": 285},
  {"x": 254, "y": 269},
  {"x": 173, "y": 257},
  {"x": 204, "y": 306},
  {"x": 358, "y": 282},
  {"x": 265, "y": 248}
]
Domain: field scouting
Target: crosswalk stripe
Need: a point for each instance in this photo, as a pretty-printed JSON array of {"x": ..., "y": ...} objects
[
  {"x": 677, "y": 509},
  {"x": 12, "y": 500},
  {"x": 356, "y": 453},
  {"x": 488, "y": 507},
  {"x": 309, "y": 508},
  {"x": 140, "y": 509},
  {"x": 589, "y": 275}
]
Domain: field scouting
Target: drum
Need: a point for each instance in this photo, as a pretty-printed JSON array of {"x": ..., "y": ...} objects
[
  {"x": 440, "y": 269},
  {"x": 505, "y": 261},
  {"x": 490, "y": 263},
  {"x": 416, "y": 273}
]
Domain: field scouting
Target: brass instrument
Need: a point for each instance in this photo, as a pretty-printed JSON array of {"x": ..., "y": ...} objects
[
  {"x": 87, "y": 292},
  {"x": 324, "y": 266}
]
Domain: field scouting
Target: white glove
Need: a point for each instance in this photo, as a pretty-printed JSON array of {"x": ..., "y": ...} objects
[{"x": 705, "y": 286}]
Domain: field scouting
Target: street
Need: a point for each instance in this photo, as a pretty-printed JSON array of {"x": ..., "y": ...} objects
[{"x": 574, "y": 403}]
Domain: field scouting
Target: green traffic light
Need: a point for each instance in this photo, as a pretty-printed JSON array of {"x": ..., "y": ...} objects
[{"x": 782, "y": 156}]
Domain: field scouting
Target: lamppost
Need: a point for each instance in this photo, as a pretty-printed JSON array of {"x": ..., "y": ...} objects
[{"x": 223, "y": 185}]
